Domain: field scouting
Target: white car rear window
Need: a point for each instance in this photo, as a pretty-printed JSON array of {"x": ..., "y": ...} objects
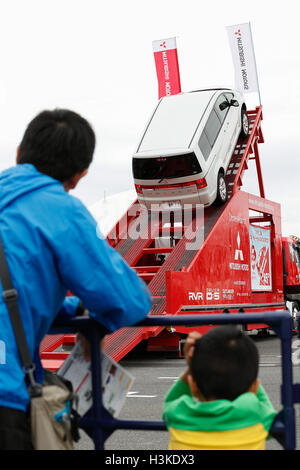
[{"x": 175, "y": 121}]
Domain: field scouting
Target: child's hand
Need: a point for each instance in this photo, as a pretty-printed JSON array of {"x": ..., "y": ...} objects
[{"x": 189, "y": 345}]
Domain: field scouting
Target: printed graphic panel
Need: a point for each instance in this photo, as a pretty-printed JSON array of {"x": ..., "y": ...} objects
[{"x": 260, "y": 251}]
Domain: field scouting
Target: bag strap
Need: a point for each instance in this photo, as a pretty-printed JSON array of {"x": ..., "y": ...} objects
[{"x": 10, "y": 296}]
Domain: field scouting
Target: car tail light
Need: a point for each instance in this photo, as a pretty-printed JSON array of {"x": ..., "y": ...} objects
[
  {"x": 201, "y": 183},
  {"x": 138, "y": 189}
]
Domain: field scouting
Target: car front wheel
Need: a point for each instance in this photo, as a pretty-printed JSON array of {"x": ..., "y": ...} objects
[{"x": 222, "y": 193}]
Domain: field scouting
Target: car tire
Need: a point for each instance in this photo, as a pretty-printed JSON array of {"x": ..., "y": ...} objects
[
  {"x": 244, "y": 124},
  {"x": 222, "y": 192},
  {"x": 295, "y": 315}
]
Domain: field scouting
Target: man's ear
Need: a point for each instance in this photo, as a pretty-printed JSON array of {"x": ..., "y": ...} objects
[
  {"x": 72, "y": 182},
  {"x": 18, "y": 155},
  {"x": 254, "y": 387}
]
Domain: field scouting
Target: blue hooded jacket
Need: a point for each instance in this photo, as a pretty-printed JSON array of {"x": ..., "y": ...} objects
[{"x": 51, "y": 246}]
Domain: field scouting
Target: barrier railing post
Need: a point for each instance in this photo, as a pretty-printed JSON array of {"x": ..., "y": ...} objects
[
  {"x": 287, "y": 383},
  {"x": 98, "y": 435}
]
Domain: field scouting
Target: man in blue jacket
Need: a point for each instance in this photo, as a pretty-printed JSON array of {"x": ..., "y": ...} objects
[{"x": 51, "y": 246}]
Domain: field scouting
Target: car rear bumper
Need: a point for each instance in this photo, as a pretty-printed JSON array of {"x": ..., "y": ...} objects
[{"x": 153, "y": 201}]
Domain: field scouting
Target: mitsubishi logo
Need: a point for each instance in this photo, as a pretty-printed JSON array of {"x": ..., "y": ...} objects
[
  {"x": 238, "y": 252},
  {"x": 238, "y": 33},
  {"x": 163, "y": 45}
]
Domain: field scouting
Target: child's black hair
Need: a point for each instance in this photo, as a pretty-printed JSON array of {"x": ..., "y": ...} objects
[{"x": 225, "y": 363}]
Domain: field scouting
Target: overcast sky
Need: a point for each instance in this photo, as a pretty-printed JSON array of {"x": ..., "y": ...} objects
[{"x": 96, "y": 58}]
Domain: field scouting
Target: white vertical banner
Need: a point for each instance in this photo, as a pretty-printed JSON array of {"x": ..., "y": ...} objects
[{"x": 243, "y": 56}]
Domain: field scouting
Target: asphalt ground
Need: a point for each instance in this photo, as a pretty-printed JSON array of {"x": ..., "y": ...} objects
[{"x": 154, "y": 374}]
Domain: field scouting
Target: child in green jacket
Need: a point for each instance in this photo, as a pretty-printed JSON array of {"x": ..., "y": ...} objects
[{"x": 218, "y": 403}]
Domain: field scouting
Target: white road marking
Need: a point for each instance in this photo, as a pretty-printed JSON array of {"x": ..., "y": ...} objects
[
  {"x": 133, "y": 395},
  {"x": 168, "y": 378},
  {"x": 269, "y": 365}
]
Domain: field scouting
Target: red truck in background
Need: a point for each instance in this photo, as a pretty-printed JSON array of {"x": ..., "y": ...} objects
[
  {"x": 244, "y": 265},
  {"x": 291, "y": 273}
]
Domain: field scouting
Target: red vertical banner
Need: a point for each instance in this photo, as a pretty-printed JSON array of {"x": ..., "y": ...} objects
[{"x": 167, "y": 67}]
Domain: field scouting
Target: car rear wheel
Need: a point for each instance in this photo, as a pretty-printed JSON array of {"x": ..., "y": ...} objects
[
  {"x": 245, "y": 124},
  {"x": 222, "y": 193}
]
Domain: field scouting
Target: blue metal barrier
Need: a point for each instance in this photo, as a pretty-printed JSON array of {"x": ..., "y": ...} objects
[{"x": 99, "y": 424}]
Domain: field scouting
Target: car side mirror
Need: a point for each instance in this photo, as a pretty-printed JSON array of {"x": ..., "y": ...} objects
[
  {"x": 234, "y": 103},
  {"x": 224, "y": 105}
]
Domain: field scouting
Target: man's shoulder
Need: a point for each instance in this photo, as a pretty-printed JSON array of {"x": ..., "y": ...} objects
[
  {"x": 64, "y": 206},
  {"x": 41, "y": 201}
]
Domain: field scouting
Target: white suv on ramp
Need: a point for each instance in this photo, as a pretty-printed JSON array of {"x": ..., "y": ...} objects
[{"x": 186, "y": 148}]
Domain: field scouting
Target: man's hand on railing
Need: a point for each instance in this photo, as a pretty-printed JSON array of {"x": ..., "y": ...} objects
[{"x": 86, "y": 346}]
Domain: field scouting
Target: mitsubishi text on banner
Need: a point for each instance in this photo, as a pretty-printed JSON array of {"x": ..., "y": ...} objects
[
  {"x": 242, "y": 50},
  {"x": 167, "y": 67}
]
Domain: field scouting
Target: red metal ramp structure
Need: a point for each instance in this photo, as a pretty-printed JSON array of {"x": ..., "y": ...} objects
[
  {"x": 142, "y": 253},
  {"x": 135, "y": 237}
]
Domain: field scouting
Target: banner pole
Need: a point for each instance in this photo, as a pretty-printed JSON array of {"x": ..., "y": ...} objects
[{"x": 255, "y": 63}]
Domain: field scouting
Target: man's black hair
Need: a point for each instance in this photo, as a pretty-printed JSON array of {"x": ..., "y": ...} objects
[
  {"x": 225, "y": 363},
  {"x": 58, "y": 143}
]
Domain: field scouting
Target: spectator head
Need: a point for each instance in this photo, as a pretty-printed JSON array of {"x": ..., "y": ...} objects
[
  {"x": 60, "y": 144},
  {"x": 224, "y": 365}
]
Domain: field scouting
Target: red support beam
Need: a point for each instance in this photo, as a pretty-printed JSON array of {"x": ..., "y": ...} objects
[{"x": 252, "y": 149}]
